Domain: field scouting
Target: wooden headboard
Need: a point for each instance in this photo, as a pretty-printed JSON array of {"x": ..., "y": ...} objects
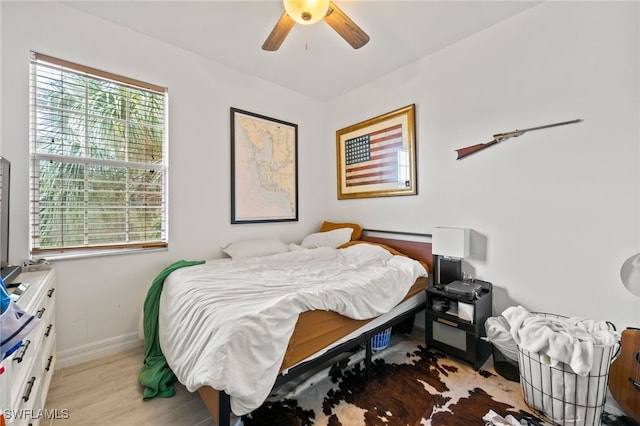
[{"x": 418, "y": 248}]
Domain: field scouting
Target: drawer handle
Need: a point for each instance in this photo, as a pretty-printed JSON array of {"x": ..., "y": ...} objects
[
  {"x": 23, "y": 350},
  {"x": 27, "y": 391},
  {"x": 46, "y": 333},
  {"x": 50, "y": 292},
  {"x": 451, "y": 323},
  {"x": 49, "y": 363},
  {"x": 40, "y": 313}
]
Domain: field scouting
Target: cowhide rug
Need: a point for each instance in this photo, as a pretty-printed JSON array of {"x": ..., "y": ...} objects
[{"x": 408, "y": 385}]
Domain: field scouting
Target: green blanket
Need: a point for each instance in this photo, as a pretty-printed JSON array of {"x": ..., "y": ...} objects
[{"x": 156, "y": 376}]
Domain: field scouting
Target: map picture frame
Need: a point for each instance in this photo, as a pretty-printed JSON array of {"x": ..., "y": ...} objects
[
  {"x": 264, "y": 168},
  {"x": 376, "y": 157}
]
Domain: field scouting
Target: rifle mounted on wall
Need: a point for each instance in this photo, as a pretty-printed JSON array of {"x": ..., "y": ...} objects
[{"x": 463, "y": 152}]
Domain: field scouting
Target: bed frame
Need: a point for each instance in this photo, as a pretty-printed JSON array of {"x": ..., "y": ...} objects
[{"x": 218, "y": 402}]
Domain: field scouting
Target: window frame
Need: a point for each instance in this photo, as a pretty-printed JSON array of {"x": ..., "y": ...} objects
[{"x": 96, "y": 248}]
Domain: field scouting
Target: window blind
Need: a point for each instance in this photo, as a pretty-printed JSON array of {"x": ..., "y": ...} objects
[{"x": 98, "y": 159}]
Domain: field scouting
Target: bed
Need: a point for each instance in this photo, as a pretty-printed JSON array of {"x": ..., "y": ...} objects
[{"x": 283, "y": 322}]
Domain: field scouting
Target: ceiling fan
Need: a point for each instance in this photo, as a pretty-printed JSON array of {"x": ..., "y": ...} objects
[{"x": 308, "y": 12}]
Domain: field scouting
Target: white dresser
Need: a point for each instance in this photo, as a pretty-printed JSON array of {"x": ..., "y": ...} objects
[{"x": 24, "y": 383}]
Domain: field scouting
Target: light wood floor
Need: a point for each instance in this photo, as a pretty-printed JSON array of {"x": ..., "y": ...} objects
[{"x": 106, "y": 392}]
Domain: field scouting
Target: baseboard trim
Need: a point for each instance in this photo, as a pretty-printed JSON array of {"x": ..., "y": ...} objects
[{"x": 95, "y": 350}]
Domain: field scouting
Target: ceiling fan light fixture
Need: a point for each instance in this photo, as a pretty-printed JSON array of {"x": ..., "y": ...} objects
[{"x": 306, "y": 12}]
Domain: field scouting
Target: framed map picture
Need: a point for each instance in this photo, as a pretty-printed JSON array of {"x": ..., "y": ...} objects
[
  {"x": 264, "y": 169},
  {"x": 376, "y": 158}
]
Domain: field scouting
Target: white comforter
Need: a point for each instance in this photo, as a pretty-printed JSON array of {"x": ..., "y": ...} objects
[{"x": 227, "y": 324}]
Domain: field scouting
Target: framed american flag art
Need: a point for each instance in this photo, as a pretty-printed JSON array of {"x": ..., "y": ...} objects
[{"x": 376, "y": 158}]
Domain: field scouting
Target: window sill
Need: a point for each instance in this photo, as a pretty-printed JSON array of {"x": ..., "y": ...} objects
[{"x": 81, "y": 254}]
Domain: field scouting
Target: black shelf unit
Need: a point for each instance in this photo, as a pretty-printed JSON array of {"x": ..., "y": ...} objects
[{"x": 451, "y": 334}]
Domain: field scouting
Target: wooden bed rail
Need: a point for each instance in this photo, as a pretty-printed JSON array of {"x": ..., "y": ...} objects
[
  {"x": 365, "y": 338},
  {"x": 218, "y": 404}
]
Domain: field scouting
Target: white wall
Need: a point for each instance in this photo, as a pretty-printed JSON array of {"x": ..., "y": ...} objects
[
  {"x": 99, "y": 299},
  {"x": 554, "y": 212}
]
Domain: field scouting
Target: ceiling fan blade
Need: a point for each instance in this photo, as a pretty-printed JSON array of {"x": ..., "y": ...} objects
[
  {"x": 279, "y": 33},
  {"x": 344, "y": 26}
]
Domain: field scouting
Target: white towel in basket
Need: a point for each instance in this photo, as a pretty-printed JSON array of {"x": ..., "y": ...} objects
[{"x": 568, "y": 340}]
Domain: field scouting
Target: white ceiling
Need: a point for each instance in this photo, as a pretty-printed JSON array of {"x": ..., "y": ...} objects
[{"x": 313, "y": 60}]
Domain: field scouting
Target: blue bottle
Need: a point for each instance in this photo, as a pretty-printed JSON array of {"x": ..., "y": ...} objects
[{"x": 4, "y": 297}]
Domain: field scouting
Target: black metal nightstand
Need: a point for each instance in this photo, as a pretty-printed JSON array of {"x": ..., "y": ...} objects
[{"x": 458, "y": 330}]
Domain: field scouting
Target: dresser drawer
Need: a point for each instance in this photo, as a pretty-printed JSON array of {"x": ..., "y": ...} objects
[{"x": 29, "y": 369}]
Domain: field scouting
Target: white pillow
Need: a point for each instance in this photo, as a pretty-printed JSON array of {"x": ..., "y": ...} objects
[
  {"x": 332, "y": 239},
  {"x": 254, "y": 247}
]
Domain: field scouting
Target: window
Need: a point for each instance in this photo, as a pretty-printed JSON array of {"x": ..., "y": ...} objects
[{"x": 98, "y": 160}]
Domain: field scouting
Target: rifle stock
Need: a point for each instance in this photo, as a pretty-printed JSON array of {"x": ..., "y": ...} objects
[{"x": 463, "y": 152}]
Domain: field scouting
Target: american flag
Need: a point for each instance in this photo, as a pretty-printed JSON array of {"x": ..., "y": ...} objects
[{"x": 375, "y": 158}]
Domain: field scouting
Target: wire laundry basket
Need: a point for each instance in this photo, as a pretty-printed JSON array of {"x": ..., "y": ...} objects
[{"x": 561, "y": 395}]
